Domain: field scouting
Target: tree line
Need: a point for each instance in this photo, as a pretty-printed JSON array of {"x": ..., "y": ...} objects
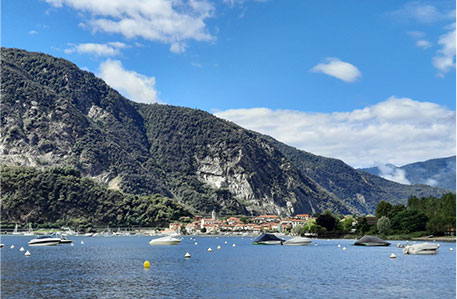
[
  {"x": 55, "y": 197},
  {"x": 421, "y": 216}
]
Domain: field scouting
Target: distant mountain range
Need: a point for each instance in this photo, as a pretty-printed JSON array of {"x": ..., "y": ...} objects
[
  {"x": 435, "y": 172},
  {"x": 54, "y": 114}
]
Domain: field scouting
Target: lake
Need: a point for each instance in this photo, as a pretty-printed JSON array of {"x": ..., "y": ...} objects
[{"x": 112, "y": 267}]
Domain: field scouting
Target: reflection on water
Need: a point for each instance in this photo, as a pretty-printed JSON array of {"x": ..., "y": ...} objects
[{"x": 112, "y": 267}]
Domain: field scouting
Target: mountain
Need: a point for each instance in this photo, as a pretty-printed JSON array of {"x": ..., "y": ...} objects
[
  {"x": 54, "y": 114},
  {"x": 435, "y": 172}
]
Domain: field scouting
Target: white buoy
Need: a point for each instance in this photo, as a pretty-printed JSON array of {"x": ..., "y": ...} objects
[
  {"x": 12, "y": 246},
  {"x": 315, "y": 244},
  {"x": 233, "y": 245},
  {"x": 187, "y": 255},
  {"x": 339, "y": 246},
  {"x": 27, "y": 253},
  {"x": 82, "y": 242},
  {"x": 451, "y": 249},
  {"x": 218, "y": 246},
  {"x": 392, "y": 256},
  {"x": 210, "y": 250},
  {"x": 344, "y": 248},
  {"x": 72, "y": 244},
  {"x": 225, "y": 242},
  {"x": 22, "y": 249},
  {"x": 195, "y": 243},
  {"x": 438, "y": 245}
]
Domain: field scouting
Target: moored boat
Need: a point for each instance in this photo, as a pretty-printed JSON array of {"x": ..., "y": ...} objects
[
  {"x": 267, "y": 239},
  {"x": 298, "y": 241},
  {"x": 421, "y": 249},
  {"x": 44, "y": 241},
  {"x": 371, "y": 241},
  {"x": 167, "y": 240}
]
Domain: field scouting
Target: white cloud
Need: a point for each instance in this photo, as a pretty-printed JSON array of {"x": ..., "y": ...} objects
[
  {"x": 424, "y": 44},
  {"x": 444, "y": 61},
  {"x": 169, "y": 22},
  {"x": 338, "y": 69},
  {"x": 423, "y": 13},
  {"x": 109, "y": 49},
  {"x": 134, "y": 86},
  {"x": 397, "y": 131},
  {"x": 390, "y": 172},
  {"x": 33, "y": 32}
]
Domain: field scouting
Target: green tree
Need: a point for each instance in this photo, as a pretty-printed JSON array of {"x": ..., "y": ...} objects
[
  {"x": 327, "y": 220},
  {"x": 382, "y": 209},
  {"x": 408, "y": 221},
  {"x": 383, "y": 225},
  {"x": 347, "y": 223}
]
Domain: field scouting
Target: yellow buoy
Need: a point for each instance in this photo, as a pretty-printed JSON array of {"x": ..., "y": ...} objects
[
  {"x": 12, "y": 246},
  {"x": 187, "y": 255},
  {"x": 392, "y": 256},
  {"x": 210, "y": 250},
  {"x": 146, "y": 264},
  {"x": 195, "y": 243},
  {"x": 27, "y": 253},
  {"x": 344, "y": 248},
  {"x": 451, "y": 249},
  {"x": 22, "y": 249}
]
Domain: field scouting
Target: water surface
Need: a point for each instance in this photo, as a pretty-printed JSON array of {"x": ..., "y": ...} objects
[{"x": 112, "y": 267}]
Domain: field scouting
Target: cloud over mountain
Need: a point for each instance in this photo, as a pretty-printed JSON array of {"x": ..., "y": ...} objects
[{"x": 397, "y": 131}]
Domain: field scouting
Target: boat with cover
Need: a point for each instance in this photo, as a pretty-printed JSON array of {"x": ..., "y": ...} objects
[
  {"x": 167, "y": 240},
  {"x": 421, "y": 249},
  {"x": 368, "y": 240},
  {"x": 44, "y": 241},
  {"x": 298, "y": 241},
  {"x": 268, "y": 239}
]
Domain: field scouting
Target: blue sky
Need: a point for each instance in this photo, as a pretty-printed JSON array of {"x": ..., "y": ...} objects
[{"x": 344, "y": 79}]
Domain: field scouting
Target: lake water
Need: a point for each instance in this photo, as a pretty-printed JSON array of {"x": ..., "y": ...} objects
[{"x": 112, "y": 267}]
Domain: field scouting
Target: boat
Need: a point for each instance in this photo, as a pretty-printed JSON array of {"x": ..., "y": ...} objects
[
  {"x": 267, "y": 239},
  {"x": 167, "y": 240},
  {"x": 298, "y": 241},
  {"x": 64, "y": 240},
  {"x": 421, "y": 249},
  {"x": 44, "y": 241},
  {"x": 368, "y": 240}
]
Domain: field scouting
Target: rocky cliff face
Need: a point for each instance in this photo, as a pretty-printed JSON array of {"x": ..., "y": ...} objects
[{"x": 56, "y": 114}]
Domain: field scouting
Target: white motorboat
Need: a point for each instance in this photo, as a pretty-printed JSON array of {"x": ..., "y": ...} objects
[
  {"x": 167, "y": 240},
  {"x": 44, "y": 241},
  {"x": 298, "y": 241},
  {"x": 421, "y": 249}
]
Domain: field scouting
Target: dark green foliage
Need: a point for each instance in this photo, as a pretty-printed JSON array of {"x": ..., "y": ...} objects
[
  {"x": 61, "y": 196},
  {"x": 408, "y": 221},
  {"x": 328, "y": 220},
  {"x": 436, "y": 215},
  {"x": 383, "y": 209}
]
